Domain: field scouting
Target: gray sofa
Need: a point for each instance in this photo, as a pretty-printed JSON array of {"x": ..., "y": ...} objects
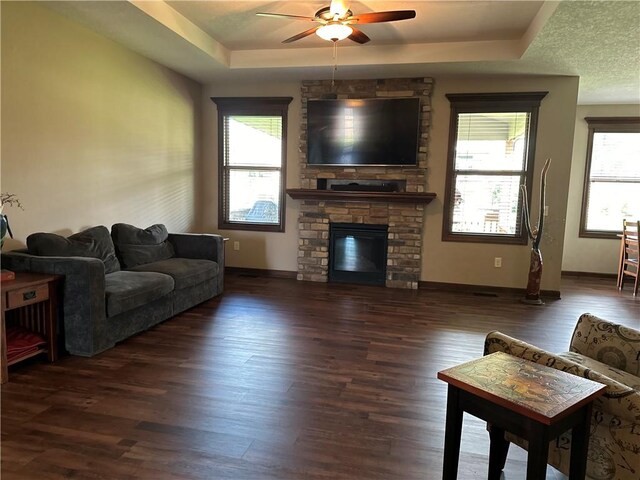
[{"x": 108, "y": 298}]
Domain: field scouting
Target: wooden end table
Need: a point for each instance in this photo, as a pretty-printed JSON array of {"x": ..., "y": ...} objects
[
  {"x": 31, "y": 299},
  {"x": 534, "y": 402}
]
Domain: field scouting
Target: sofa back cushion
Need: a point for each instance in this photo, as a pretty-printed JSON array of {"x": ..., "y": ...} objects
[
  {"x": 94, "y": 242},
  {"x": 610, "y": 343},
  {"x": 136, "y": 246}
]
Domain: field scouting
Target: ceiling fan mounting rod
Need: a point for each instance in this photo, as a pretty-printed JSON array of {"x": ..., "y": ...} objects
[{"x": 324, "y": 14}]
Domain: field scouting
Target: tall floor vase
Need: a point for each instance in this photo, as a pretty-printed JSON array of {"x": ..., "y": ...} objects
[{"x": 532, "y": 295}]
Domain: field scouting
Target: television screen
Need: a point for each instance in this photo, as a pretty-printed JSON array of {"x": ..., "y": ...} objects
[{"x": 363, "y": 132}]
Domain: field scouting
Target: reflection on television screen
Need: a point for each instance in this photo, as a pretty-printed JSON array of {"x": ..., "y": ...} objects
[{"x": 363, "y": 132}]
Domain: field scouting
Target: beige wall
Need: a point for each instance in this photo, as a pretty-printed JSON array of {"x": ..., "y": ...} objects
[
  {"x": 588, "y": 254},
  {"x": 92, "y": 133},
  {"x": 442, "y": 261},
  {"x": 470, "y": 263},
  {"x": 271, "y": 251}
]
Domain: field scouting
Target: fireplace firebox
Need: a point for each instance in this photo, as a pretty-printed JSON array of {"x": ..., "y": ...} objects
[{"x": 358, "y": 253}]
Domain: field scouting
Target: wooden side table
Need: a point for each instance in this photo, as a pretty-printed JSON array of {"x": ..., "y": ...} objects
[
  {"x": 534, "y": 402},
  {"x": 30, "y": 301}
]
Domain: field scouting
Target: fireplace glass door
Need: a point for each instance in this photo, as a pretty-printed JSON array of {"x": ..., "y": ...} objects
[{"x": 358, "y": 253}]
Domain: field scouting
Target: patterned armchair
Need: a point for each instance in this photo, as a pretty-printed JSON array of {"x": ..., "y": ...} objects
[{"x": 609, "y": 354}]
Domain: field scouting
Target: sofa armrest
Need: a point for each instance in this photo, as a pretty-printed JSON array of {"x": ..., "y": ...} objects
[
  {"x": 618, "y": 399},
  {"x": 194, "y": 245},
  {"x": 616, "y": 345},
  {"x": 204, "y": 246},
  {"x": 83, "y": 302}
]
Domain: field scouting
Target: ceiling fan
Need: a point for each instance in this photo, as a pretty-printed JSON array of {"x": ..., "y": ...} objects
[{"x": 337, "y": 22}]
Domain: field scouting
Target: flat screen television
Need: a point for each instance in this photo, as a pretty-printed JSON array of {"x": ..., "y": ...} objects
[{"x": 363, "y": 132}]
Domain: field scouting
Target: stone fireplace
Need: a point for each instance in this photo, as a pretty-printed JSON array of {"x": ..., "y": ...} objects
[{"x": 400, "y": 208}]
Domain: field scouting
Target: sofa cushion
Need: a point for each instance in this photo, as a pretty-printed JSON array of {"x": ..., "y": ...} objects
[
  {"x": 127, "y": 290},
  {"x": 94, "y": 242},
  {"x": 614, "y": 373},
  {"x": 136, "y": 246},
  {"x": 186, "y": 272}
]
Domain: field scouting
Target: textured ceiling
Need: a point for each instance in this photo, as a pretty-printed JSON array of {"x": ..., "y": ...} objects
[
  {"x": 600, "y": 42},
  {"x": 221, "y": 41}
]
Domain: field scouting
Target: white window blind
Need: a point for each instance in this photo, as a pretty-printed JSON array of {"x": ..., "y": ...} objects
[
  {"x": 490, "y": 164},
  {"x": 252, "y": 167},
  {"x": 612, "y": 190}
]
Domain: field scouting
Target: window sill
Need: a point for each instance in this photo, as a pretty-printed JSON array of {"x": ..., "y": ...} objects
[
  {"x": 254, "y": 227},
  {"x": 479, "y": 238},
  {"x": 600, "y": 234}
]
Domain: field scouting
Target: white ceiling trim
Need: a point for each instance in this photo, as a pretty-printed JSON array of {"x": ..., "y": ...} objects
[
  {"x": 490, "y": 50},
  {"x": 546, "y": 11},
  {"x": 164, "y": 14}
]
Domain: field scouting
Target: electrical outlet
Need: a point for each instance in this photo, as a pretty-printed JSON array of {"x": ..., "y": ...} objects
[
  {"x": 546, "y": 210},
  {"x": 497, "y": 262},
  {"x": 236, "y": 246}
]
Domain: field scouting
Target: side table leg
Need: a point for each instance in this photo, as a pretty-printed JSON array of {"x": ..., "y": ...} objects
[
  {"x": 4, "y": 372},
  {"x": 452, "y": 435},
  {"x": 580, "y": 446},
  {"x": 538, "y": 453},
  {"x": 497, "y": 452},
  {"x": 52, "y": 322}
]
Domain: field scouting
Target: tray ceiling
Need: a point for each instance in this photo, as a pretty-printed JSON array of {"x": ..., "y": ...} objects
[{"x": 217, "y": 41}]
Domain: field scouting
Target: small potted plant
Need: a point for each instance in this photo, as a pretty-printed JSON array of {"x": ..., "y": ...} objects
[{"x": 7, "y": 199}]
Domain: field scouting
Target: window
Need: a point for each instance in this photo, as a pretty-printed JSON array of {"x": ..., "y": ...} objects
[
  {"x": 252, "y": 150},
  {"x": 491, "y": 152},
  {"x": 612, "y": 176}
]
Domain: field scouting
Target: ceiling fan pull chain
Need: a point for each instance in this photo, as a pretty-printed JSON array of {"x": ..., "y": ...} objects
[{"x": 335, "y": 63}]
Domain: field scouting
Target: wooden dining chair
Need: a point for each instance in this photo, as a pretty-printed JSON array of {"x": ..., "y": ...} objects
[{"x": 629, "y": 254}]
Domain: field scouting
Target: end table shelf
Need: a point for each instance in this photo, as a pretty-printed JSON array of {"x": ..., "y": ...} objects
[
  {"x": 23, "y": 343},
  {"x": 26, "y": 356},
  {"x": 29, "y": 303}
]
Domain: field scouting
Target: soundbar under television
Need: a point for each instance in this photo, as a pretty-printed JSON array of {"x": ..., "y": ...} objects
[{"x": 363, "y": 132}]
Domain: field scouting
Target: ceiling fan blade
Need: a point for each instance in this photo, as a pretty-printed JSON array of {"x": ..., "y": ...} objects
[
  {"x": 358, "y": 36},
  {"x": 282, "y": 15},
  {"x": 306, "y": 33},
  {"x": 339, "y": 8},
  {"x": 379, "y": 17}
]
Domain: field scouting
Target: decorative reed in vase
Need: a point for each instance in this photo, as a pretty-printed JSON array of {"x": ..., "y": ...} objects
[{"x": 532, "y": 295}]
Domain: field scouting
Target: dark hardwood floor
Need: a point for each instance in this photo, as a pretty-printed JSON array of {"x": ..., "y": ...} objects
[{"x": 280, "y": 379}]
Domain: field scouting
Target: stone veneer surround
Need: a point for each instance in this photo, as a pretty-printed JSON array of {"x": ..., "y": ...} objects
[{"x": 405, "y": 220}]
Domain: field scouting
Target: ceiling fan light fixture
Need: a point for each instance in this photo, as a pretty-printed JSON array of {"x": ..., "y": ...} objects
[{"x": 334, "y": 31}]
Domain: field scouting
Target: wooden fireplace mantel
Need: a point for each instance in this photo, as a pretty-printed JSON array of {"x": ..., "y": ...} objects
[{"x": 346, "y": 196}]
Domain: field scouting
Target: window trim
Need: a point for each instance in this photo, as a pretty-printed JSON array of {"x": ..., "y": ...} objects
[
  {"x": 251, "y": 106},
  {"x": 490, "y": 103},
  {"x": 596, "y": 125}
]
